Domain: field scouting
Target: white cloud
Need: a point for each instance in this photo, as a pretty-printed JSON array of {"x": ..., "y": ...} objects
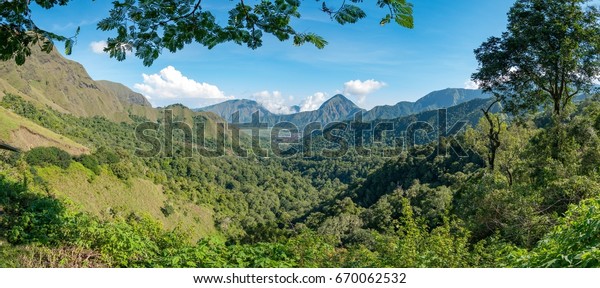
[
  {"x": 313, "y": 102},
  {"x": 273, "y": 101},
  {"x": 169, "y": 84},
  {"x": 361, "y": 89},
  {"x": 596, "y": 79},
  {"x": 98, "y": 46},
  {"x": 470, "y": 84}
]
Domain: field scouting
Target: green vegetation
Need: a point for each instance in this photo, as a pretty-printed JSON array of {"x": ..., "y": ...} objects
[
  {"x": 572, "y": 243},
  {"x": 353, "y": 211},
  {"x": 526, "y": 70},
  {"x": 25, "y": 134},
  {"x": 69, "y": 88},
  {"x": 48, "y": 156},
  {"x": 525, "y": 194}
]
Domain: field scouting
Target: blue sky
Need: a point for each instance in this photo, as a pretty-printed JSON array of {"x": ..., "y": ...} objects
[{"x": 371, "y": 64}]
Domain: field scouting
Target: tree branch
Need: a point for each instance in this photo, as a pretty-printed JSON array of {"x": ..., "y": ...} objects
[{"x": 196, "y": 7}]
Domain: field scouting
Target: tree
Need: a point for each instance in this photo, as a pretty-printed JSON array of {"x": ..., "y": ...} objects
[
  {"x": 18, "y": 32},
  {"x": 550, "y": 54},
  {"x": 148, "y": 27},
  {"x": 493, "y": 135}
]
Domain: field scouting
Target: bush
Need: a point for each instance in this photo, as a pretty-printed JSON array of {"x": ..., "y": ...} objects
[
  {"x": 572, "y": 243},
  {"x": 167, "y": 209},
  {"x": 90, "y": 162},
  {"x": 123, "y": 171},
  {"x": 29, "y": 217},
  {"x": 106, "y": 156},
  {"x": 48, "y": 156}
]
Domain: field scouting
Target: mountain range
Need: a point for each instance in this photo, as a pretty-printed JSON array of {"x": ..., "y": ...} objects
[
  {"x": 435, "y": 100},
  {"x": 340, "y": 108},
  {"x": 52, "y": 81}
]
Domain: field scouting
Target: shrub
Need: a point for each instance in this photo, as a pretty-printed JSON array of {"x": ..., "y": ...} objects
[
  {"x": 29, "y": 217},
  {"x": 47, "y": 156},
  {"x": 572, "y": 243},
  {"x": 90, "y": 162},
  {"x": 123, "y": 171},
  {"x": 106, "y": 156},
  {"x": 167, "y": 209}
]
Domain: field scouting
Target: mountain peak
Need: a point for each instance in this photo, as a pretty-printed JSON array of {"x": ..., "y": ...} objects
[
  {"x": 244, "y": 101},
  {"x": 338, "y": 100},
  {"x": 435, "y": 100},
  {"x": 245, "y": 107},
  {"x": 340, "y": 96}
]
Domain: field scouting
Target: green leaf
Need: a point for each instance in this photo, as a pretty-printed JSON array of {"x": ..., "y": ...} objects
[
  {"x": 20, "y": 59},
  {"x": 385, "y": 20},
  {"x": 68, "y": 46},
  {"x": 349, "y": 14}
]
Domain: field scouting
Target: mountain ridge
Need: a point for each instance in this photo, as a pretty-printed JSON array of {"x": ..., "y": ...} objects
[
  {"x": 340, "y": 108},
  {"x": 51, "y": 81},
  {"x": 434, "y": 100},
  {"x": 245, "y": 107}
]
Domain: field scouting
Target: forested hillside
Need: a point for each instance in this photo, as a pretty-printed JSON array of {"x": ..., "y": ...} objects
[{"x": 111, "y": 208}]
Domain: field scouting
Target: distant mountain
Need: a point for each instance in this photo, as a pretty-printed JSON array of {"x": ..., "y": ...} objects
[
  {"x": 470, "y": 112},
  {"x": 244, "y": 107},
  {"x": 338, "y": 108},
  {"x": 449, "y": 97},
  {"x": 434, "y": 100},
  {"x": 390, "y": 112},
  {"x": 124, "y": 94}
]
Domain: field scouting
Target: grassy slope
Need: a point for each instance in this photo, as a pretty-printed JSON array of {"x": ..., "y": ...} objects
[
  {"x": 24, "y": 134},
  {"x": 106, "y": 195},
  {"x": 50, "y": 80}
]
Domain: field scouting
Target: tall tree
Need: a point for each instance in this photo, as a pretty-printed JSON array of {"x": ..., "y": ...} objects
[
  {"x": 549, "y": 54},
  {"x": 148, "y": 27},
  {"x": 493, "y": 134}
]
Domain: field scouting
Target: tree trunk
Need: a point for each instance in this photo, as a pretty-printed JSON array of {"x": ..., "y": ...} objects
[{"x": 493, "y": 136}]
